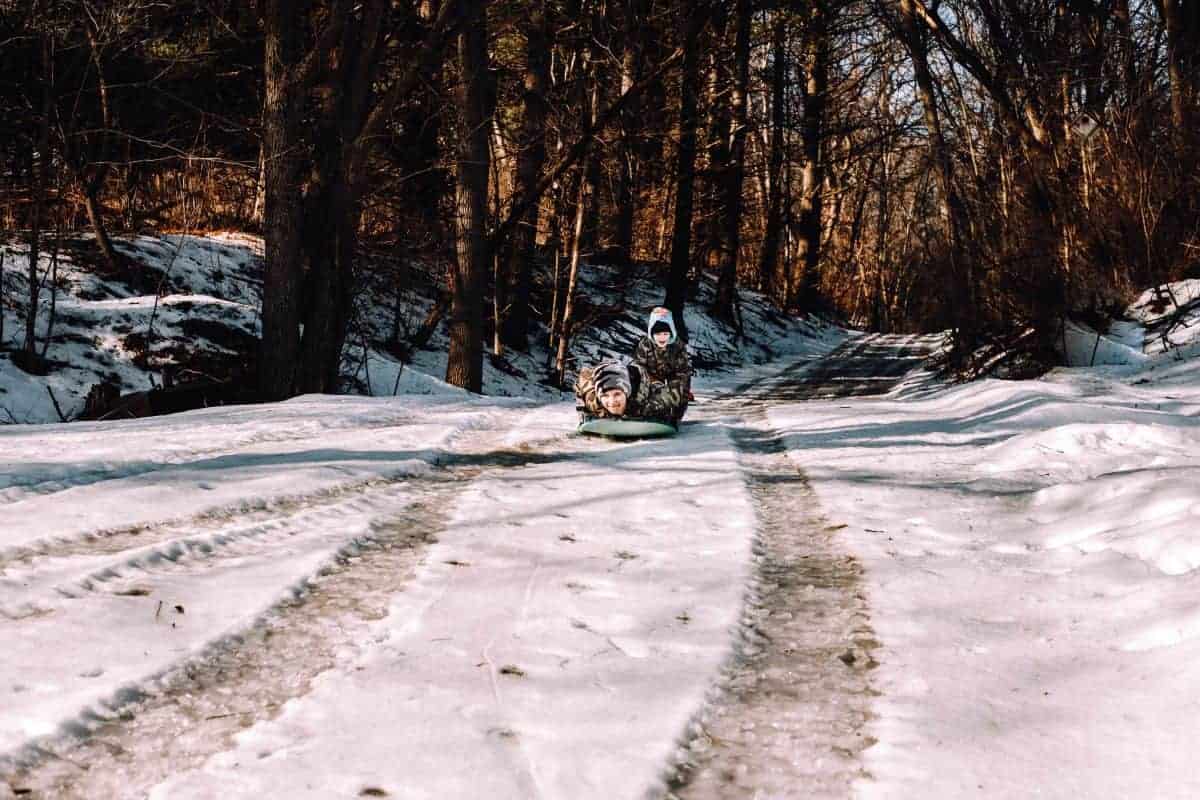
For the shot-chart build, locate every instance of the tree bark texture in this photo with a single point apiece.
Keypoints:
(517, 273)
(632, 55)
(962, 301)
(39, 200)
(283, 209)
(768, 265)
(734, 177)
(464, 365)
(812, 176)
(685, 170)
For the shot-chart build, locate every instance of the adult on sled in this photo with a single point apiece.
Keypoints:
(615, 391)
(664, 357)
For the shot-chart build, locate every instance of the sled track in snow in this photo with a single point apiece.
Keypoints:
(794, 700)
(192, 710)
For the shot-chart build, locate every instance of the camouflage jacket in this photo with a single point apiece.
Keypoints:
(649, 399)
(669, 365)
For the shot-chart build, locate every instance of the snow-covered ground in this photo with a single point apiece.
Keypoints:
(1031, 552)
(1028, 552)
(555, 640)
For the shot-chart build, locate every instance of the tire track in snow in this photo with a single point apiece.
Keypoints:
(794, 701)
(17, 487)
(180, 717)
(145, 556)
(118, 539)
(112, 541)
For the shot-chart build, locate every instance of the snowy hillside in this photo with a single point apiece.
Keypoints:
(194, 309)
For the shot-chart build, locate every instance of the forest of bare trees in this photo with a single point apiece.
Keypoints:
(987, 166)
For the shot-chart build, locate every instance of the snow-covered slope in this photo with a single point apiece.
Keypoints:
(193, 305)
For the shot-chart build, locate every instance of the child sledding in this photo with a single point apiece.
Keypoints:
(645, 397)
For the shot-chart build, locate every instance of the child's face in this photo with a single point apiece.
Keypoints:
(662, 338)
(614, 401)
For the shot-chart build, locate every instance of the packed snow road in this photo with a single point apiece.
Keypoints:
(431, 598)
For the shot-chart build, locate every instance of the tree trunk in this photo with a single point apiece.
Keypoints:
(464, 364)
(768, 264)
(1181, 18)
(283, 209)
(587, 187)
(714, 169)
(53, 311)
(3, 294)
(93, 185)
(568, 314)
(812, 177)
(962, 301)
(330, 242)
(685, 171)
(515, 286)
(91, 203)
(41, 181)
(632, 53)
(735, 172)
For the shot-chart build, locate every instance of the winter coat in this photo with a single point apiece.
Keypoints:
(647, 399)
(669, 364)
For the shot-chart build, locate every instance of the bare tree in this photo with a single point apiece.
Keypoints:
(734, 177)
(694, 21)
(769, 254)
(464, 365)
(513, 290)
(317, 173)
(802, 290)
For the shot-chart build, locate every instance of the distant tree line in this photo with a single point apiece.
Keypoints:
(988, 166)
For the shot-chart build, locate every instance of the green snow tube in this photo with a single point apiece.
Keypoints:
(625, 428)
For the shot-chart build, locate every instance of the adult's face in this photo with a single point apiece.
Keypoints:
(614, 401)
(662, 338)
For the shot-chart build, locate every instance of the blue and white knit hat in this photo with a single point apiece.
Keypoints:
(662, 316)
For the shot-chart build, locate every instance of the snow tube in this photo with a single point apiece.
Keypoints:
(625, 428)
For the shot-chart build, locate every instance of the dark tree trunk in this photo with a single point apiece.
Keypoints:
(517, 275)
(723, 306)
(587, 188)
(720, 123)
(685, 171)
(809, 224)
(283, 209)
(421, 128)
(332, 206)
(962, 280)
(1181, 19)
(768, 265)
(93, 184)
(314, 233)
(566, 325)
(91, 203)
(632, 53)
(40, 172)
(464, 365)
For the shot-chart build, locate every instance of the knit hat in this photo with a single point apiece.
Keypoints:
(662, 319)
(611, 375)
